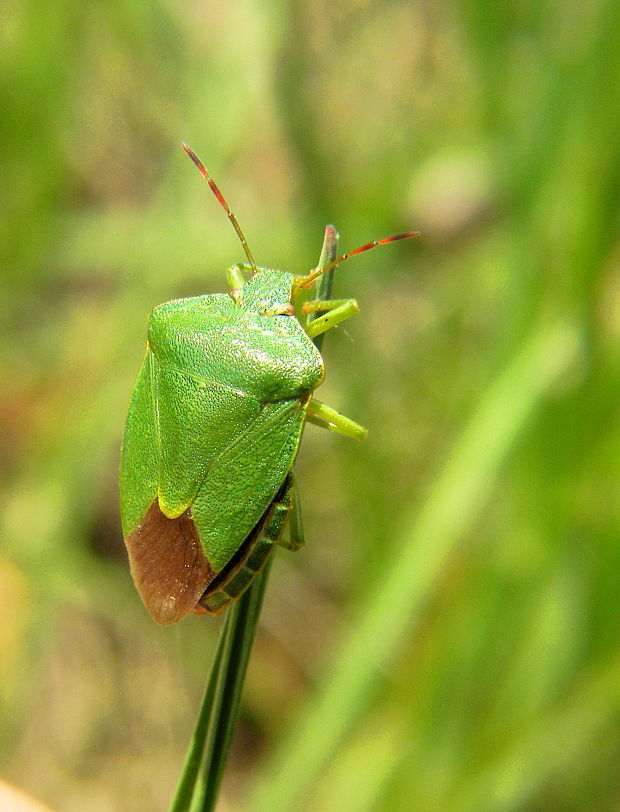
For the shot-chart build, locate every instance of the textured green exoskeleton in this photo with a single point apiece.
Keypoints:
(214, 426)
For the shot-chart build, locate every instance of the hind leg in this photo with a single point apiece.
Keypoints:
(233, 581)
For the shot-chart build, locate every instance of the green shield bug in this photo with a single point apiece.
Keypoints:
(213, 428)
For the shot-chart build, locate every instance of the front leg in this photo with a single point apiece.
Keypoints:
(236, 280)
(334, 311)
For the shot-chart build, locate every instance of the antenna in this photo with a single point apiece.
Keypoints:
(307, 281)
(222, 202)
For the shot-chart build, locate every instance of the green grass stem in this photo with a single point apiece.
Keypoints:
(205, 761)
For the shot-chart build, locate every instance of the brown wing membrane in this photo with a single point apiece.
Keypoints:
(167, 564)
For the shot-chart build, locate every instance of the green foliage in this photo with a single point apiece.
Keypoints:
(448, 639)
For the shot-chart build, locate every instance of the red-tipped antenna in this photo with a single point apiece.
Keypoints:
(222, 202)
(307, 281)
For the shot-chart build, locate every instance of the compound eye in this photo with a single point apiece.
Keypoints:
(280, 310)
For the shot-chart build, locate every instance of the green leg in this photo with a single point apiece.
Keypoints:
(295, 539)
(334, 311)
(236, 279)
(231, 583)
(323, 415)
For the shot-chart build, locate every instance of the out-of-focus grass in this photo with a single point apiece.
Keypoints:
(493, 128)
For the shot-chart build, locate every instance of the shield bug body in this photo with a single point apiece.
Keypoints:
(214, 426)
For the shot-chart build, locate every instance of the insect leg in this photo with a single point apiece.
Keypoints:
(323, 415)
(235, 278)
(236, 578)
(295, 539)
(333, 312)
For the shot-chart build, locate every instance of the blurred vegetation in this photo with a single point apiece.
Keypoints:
(448, 639)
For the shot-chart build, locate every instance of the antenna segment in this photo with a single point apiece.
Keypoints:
(222, 202)
(307, 281)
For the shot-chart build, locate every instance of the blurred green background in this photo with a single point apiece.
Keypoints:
(448, 639)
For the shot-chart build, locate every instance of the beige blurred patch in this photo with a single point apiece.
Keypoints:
(609, 298)
(450, 192)
(14, 800)
(15, 611)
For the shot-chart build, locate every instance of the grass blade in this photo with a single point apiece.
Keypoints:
(200, 780)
